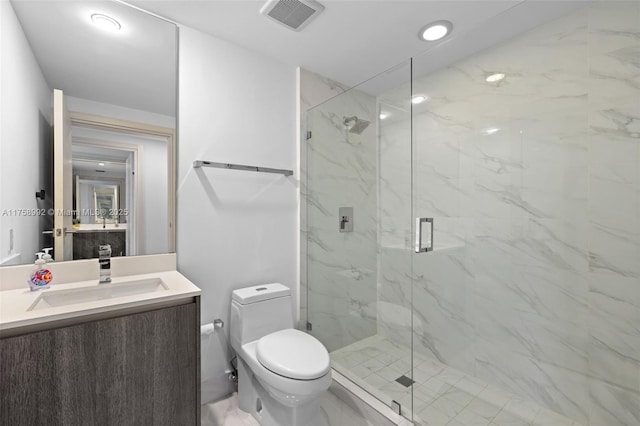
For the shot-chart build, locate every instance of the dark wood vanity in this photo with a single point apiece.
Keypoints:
(139, 366)
(87, 243)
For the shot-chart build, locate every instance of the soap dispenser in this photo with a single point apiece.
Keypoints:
(41, 276)
(47, 256)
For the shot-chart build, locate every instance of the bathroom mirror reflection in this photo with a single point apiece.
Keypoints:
(104, 209)
(119, 88)
(105, 202)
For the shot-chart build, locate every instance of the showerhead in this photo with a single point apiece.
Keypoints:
(356, 125)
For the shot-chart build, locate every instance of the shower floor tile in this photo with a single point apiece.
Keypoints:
(441, 395)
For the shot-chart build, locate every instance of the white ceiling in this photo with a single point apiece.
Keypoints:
(350, 41)
(87, 159)
(135, 67)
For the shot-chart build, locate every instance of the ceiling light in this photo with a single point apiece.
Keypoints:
(418, 99)
(105, 22)
(435, 30)
(490, 130)
(383, 115)
(100, 164)
(494, 78)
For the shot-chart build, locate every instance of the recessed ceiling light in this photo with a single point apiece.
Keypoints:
(493, 78)
(490, 130)
(435, 30)
(105, 22)
(383, 115)
(100, 164)
(418, 99)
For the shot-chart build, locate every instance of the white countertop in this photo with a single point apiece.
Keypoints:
(15, 303)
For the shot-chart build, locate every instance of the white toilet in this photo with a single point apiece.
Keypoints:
(282, 372)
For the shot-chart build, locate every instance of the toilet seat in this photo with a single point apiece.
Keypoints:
(293, 354)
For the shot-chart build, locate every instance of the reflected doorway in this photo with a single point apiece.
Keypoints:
(104, 197)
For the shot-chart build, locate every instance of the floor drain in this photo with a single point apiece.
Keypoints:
(405, 381)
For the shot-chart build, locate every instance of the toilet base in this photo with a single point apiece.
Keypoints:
(253, 398)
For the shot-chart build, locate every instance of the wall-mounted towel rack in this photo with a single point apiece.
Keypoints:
(200, 163)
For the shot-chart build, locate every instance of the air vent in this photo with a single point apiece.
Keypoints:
(293, 14)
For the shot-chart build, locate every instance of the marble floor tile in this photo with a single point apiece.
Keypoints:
(441, 395)
(334, 412)
(226, 413)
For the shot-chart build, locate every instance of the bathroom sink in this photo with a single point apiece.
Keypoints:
(56, 298)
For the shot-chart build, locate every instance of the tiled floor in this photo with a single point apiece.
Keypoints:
(334, 412)
(442, 395)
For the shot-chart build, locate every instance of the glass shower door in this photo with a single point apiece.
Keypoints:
(442, 289)
(358, 234)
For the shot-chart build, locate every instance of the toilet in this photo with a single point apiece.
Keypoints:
(282, 372)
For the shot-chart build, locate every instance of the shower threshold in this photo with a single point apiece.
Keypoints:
(441, 395)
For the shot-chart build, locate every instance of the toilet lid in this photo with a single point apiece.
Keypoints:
(292, 353)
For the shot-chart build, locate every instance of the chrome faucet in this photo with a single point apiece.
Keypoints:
(104, 260)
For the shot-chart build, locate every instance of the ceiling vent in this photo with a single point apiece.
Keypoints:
(293, 14)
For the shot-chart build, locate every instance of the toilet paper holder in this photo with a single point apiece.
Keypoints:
(209, 328)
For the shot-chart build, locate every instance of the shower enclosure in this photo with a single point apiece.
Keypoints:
(473, 231)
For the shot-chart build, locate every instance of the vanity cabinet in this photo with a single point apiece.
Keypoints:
(137, 369)
(87, 243)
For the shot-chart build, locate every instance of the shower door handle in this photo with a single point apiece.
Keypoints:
(419, 223)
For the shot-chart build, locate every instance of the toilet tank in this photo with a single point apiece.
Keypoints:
(259, 310)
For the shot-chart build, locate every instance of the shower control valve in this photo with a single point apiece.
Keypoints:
(345, 219)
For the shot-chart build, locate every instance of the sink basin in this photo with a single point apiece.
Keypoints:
(56, 298)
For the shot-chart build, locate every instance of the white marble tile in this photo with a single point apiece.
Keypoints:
(484, 409)
(314, 89)
(612, 405)
(470, 418)
(562, 390)
(226, 413)
(459, 395)
(614, 331)
(537, 291)
(506, 418)
(432, 416)
(532, 336)
(550, 418)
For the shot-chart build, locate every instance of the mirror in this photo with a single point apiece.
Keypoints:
(120, 90)
(105, 201)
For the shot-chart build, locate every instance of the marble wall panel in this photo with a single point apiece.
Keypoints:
(614, 212)
(313, 89)
(559, 389)
(341, 266)
(536, 180)
(534, 185)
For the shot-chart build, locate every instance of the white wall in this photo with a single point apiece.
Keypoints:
(234, 229)
(25, 105)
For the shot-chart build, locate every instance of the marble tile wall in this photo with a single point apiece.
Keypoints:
(534, 185)
(314, 89)
(613, 219)
(341, 172)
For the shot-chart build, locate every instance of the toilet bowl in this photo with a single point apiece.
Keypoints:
(282, 372)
